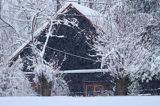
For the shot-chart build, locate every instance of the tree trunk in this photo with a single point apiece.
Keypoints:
(121, 86)
(44, 86)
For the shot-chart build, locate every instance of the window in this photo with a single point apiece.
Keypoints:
(99, 89)
(93, 89)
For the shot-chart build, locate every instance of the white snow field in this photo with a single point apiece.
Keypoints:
(81, 101)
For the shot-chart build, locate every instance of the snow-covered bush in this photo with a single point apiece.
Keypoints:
(13, 81)
(60, 87)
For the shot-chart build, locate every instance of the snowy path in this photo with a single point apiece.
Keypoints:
(81, 101)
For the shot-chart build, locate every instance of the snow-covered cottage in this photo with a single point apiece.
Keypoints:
(68, 40)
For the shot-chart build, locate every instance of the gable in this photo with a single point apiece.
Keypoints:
(78, 33)
(74, 43)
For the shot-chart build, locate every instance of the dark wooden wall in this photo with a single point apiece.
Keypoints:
(76, 81)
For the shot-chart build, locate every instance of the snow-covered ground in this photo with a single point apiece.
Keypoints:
(81, 101)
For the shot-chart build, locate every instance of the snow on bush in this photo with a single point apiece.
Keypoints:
(13, 81)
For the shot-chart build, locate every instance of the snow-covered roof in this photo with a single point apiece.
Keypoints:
(95, 17)
(18, 50)
(27, 42)
(76, 71)
(82, 71)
